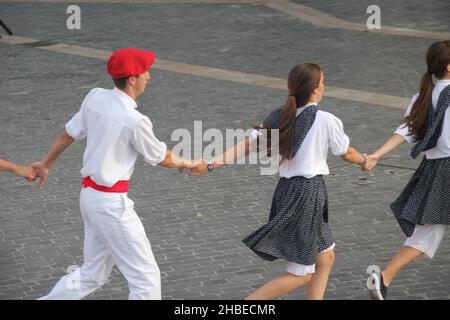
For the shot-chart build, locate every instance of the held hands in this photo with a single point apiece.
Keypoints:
(371, 162)
(27, 172)
(42, 172)
(196, 167)
(200, 169)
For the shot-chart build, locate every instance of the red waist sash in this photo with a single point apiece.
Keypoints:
(120, 186)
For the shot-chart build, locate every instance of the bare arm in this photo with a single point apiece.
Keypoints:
(7, 165)
(394, 142)
(239, 150)
(42, 167)
(19, 170)
(174, 162)
(353, 156)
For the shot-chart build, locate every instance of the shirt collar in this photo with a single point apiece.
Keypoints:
(442, 81)
(305, 106)
(125, 98)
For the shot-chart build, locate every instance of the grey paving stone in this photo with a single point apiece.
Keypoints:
(430, 15)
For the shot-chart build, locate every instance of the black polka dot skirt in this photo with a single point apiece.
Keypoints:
(297, 230)
(426, 197)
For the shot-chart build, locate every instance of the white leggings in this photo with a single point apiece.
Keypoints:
(426, 238)
(302, 269)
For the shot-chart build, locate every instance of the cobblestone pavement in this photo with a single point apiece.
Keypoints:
(196, 224)
(429, 15)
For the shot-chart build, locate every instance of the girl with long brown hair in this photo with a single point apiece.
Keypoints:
(423, 208)
(298, 230)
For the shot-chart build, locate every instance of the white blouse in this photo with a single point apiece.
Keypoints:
(326, 133)
(442, 149)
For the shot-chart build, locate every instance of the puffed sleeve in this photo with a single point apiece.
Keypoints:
(145, 142)
(403, 129)
(338, 140)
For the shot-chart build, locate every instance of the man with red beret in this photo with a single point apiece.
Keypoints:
(116, 133)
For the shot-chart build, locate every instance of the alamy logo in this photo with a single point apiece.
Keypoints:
(74, 279)
(374, 20)
(191, 147)
(373, 282)
(73, 21)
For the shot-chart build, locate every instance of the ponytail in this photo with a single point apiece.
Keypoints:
(303, 79)
(417, 120)
(438, 58)
(287, 128)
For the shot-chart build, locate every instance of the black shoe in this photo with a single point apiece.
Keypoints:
(378, 290)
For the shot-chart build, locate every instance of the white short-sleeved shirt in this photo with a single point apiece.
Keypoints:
(442, 149)
(116, 133)
(326, 133)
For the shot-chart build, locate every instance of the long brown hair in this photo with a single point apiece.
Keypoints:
(303, 79)
(437, 57)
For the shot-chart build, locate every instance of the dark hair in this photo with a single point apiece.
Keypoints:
(121, 83)
(303, 79)
(438, 58)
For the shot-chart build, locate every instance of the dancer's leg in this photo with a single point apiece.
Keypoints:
(319, 280)
(401, 259)
(279, 287)
(425, 240)
(130, 248)
(94, 272)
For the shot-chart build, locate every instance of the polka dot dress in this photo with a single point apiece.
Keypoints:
(426, 197)
(297, 230)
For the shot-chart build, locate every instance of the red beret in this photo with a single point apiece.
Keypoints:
(129, 62)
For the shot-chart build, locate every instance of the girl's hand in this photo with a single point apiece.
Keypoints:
(372, 161)
(42, 172)
(25, 171)
(190, 164)
(200, 169)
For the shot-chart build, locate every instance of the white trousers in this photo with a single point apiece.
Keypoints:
(114, 234)
(427, 238)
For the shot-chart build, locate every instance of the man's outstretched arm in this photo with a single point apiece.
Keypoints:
(174, 162)
(42, 167)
